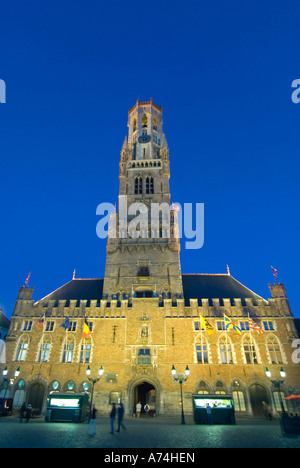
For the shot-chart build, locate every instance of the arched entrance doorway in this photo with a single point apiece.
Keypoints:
(36, 397)
(145, 392)
(258, 394)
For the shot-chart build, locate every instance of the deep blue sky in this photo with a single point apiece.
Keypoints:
(222, 70)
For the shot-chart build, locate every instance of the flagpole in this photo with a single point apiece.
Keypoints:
(251, 339)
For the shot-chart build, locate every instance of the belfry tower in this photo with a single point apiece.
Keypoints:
(143, 249)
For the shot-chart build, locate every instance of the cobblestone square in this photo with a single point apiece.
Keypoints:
(166, 433)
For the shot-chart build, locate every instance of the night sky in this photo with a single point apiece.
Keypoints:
(221, 70)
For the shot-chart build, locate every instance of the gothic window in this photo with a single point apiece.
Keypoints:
(86, 348)
(149, 185)
(134, 125)
(144, 121)
(202, 352)
(154, 124)
(69, 347)
(22, 348)
(239, 400)
(274, 350)
(203, 388)
(249, 350)
(138, 185)
(225, 350)
(45, 348)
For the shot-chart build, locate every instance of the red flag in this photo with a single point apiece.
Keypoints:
(255, 326)
(274, 272)
(41, 320)
(27, 279)
(175, 207)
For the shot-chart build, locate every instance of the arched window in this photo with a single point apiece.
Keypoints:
(154, 124)
(69, 348)
(202, 351)
(138, 185)
(250, 350)
(134, 125)
(225, 348)
(86, 348)
(144, 121)
(274, 350)
(239, 400)
(149, 185)
(22, 348)
(45, 348)
(203, 388)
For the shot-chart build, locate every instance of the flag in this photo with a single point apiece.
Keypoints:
(27, 279)
(41, 320)
(86, 330)
(206, 326)
(255, 326)
(175, 207)
(66, 323)
(274, 272)
(230, 324)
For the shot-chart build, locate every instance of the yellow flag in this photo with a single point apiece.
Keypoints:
(206, 326)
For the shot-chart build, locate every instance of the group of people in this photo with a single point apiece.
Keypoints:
(116, 412)
(119, 412)
(139, 409)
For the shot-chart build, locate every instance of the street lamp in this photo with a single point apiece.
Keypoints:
(277, 383)
(180, 378)
(8, 381)
(93, 381)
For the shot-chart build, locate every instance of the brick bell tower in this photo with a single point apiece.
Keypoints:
(143, 248)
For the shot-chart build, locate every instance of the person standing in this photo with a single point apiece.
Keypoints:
(22, 411)
(92, 422)
(120, 417)
(112, 418)
(28, 412)
(138, 409)
(146, 408)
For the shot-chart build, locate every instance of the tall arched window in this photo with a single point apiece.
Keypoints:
(202, 350)
(274, 350)
(22, 348)
(250, 350)
(138, 186)
(86, 349)
(149, 185)
(144, 121)
(69, 348)
(225, 348)
(45, 348)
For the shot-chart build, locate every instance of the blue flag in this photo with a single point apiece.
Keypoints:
(66, 323)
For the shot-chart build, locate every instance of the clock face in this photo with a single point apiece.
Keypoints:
(144, 138)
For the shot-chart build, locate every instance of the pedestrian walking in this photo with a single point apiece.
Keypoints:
(138, 409)
(92, 422)
(28, 412)
(146, 408)
(22, 412)
(112, 418)
(120, 417)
